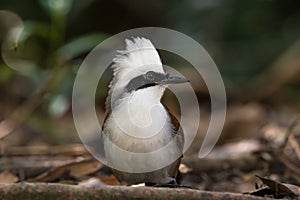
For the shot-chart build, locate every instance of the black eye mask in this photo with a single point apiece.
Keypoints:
(152, 78)
(149, 79)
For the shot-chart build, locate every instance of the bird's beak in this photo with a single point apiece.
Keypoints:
(169, 79)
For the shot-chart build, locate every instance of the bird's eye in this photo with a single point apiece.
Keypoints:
(150, 75)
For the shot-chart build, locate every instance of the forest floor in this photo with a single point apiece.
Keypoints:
(264, 161)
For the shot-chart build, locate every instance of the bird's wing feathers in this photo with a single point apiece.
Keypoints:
(178, 133)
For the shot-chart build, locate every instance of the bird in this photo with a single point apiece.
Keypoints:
(143, 140)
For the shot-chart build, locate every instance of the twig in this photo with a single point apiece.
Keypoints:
(285, 161)
(289, 132)
(295, 146)
(65, 150)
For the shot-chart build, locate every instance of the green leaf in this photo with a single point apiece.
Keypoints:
(82, 45)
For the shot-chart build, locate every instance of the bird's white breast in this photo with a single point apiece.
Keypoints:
(138, 124)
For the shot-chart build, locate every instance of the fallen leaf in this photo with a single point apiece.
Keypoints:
(109, 180)
(84, 168)
(278, 190)
(76, 169)
(7, 177)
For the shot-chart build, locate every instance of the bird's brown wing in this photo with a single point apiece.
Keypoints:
(176, 125)
(178, 133)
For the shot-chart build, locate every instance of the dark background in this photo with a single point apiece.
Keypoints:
(254, 44)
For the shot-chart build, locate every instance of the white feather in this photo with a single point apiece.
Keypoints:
(139, 52)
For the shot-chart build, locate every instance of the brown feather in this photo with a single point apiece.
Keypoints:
(177, 130)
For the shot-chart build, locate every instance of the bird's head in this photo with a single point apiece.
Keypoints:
(138, 70)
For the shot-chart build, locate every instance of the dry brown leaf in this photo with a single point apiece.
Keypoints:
(75, 169)
(7, 177)
(84, 168)
(277, 189)
(110, 180)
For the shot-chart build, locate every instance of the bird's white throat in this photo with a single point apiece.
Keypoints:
(140, 114)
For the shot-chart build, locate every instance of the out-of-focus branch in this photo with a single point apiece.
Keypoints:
(289, 131)
(60, 191)
(23, 111)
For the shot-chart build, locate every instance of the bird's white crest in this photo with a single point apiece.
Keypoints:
(139, 53)
(138, 57)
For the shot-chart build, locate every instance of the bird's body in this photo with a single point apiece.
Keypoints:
(143, 141)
